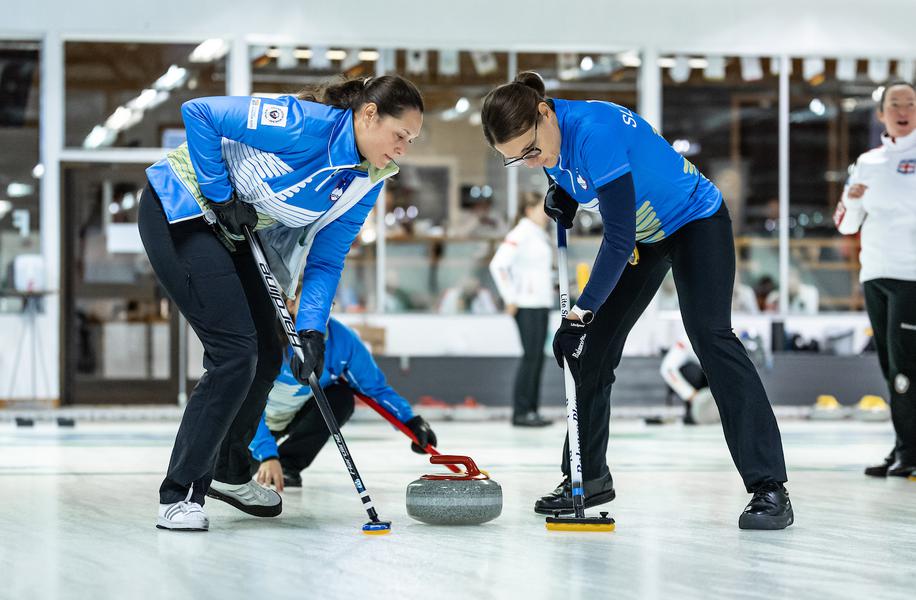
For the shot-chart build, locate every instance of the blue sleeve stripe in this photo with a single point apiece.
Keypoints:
(624, 168)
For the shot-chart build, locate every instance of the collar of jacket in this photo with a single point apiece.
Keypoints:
(343, 153)
(900, 144)
(561, 110)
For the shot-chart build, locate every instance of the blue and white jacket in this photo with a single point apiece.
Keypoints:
(298, 164)
(346, 357)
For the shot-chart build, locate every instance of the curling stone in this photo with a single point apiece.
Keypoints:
(827, 408)
(468, 498)
(872, 408)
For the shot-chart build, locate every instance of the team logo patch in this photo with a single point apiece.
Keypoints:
(901, 383)
(907, 166)
(274, 115)
(581, 181)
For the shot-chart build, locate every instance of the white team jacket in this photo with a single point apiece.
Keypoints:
(886, 213)
(522, 267)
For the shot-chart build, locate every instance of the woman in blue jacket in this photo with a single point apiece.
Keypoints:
(604, 157)
(302, 171)
(292, 431)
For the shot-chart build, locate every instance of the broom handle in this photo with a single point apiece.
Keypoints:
(572, 414)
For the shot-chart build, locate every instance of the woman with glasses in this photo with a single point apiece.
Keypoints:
(606, 158)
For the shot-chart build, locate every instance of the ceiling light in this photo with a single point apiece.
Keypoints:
(817, 106)
(172, 78)
(99, 136)
(209, 51)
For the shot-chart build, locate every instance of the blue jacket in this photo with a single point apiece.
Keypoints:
(602, 141)
(298, 164)
(346, 357)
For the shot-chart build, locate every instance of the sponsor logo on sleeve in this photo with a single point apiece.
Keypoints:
(274, 115)
(581, 181)
(253, 109)
(839, 213)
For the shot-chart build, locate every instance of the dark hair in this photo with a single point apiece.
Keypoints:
(512, 109)
(392, 94)
(888, 86)
(528, 200)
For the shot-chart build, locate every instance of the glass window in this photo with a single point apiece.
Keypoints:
(20, 173)
(722, 114)
(832, 122)
(120, 321)
(129, 94)
(448, 207)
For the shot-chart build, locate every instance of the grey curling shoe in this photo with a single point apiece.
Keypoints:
(251, 498)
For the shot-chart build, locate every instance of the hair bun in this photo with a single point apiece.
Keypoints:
(532, 80)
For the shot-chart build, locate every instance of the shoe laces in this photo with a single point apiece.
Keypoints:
(188, 507)
(762, 493)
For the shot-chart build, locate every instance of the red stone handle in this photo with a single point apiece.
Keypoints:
(470, 467)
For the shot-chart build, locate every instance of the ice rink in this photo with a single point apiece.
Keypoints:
(79, 509)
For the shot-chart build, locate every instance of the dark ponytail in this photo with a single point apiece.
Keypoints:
(392, 94)
(512, 109)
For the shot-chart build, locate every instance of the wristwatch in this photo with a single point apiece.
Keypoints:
(586, 316)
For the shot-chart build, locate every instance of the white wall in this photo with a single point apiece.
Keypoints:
(838, 27)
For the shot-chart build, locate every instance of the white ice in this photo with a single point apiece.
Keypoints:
(78, 511)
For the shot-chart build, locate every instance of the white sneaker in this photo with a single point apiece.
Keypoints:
(183, 516)
(250, 497)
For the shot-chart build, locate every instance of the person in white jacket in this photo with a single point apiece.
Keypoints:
(879, 201)
(523, 271)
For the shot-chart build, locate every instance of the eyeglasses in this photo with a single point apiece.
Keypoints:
(532, 151)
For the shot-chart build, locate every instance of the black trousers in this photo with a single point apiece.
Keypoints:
(891, 305)
(222, 296)
(702, 257)
(307, 433)
(532, 328)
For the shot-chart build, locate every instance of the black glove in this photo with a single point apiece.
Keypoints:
(569, 342)
(560, 206)
(312, 343)
(424, 433)
(233, 214)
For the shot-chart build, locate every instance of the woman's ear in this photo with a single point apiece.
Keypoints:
(544, 109)
(369, 111)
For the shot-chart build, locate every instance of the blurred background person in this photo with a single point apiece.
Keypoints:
(522, 269)
(879, 201)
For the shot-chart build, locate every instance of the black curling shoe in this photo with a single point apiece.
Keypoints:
(901, 469)
(770, 508)
(597, 491)
(292, 479)
(531, 419)
(880, 470)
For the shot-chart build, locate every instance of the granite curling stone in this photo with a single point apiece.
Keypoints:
(468, 498)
